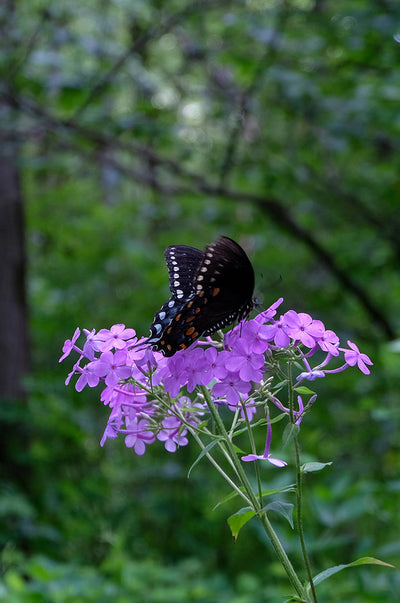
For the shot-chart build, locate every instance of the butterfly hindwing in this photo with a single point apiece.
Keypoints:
(183, 263)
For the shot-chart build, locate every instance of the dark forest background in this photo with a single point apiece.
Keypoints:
(130, 125)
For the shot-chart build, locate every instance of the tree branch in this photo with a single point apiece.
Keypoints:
(151, 34)
(274, 208)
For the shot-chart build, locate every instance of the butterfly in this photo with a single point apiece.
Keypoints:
(210, 290)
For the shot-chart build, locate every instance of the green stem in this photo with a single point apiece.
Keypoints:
(280, 551)
(299, 505)
(299, 492)
(253, 449)
(219, 468)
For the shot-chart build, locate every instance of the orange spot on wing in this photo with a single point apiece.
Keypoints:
(190, 331)
(216, 290)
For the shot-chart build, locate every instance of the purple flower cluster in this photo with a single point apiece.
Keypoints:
(152, 397)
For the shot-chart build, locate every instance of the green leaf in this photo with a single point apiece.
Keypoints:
(279, 417)
(283, 508)
(289, 433)
(238, 450)
(227, 498)
(314, 466)
(241, 430)
(238, 520)
(281, 385)
(260, 422)
(289, 488)
(232, 495)
(302, 389)
(331, 571)
(205, 451)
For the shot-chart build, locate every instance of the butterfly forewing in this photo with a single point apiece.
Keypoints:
(226, 277)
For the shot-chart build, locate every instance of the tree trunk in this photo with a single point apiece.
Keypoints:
(14, 352)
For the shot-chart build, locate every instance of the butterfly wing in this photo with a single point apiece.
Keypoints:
(183, 263)
(226, 278)
(222, 293)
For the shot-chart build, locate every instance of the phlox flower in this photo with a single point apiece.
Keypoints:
(268, 314)
(172, 433)
(277, 332)
(138, 434)
(301, 327)
(145, 359)
(266, 455)
(87, 377)
(256, 336)
(111, 366)
(231, 387)
(92, 344)
(299, 414)
(69, 345)
(353, 356)
(113, 426)
(76, 368)
(254, 331)
(171, 373)
(215, 360)
(310, 375)
(243, 361)
(109, 396)
(196, 366)
(328, 341)
(147, 392)
(129, 395)
(115, 337)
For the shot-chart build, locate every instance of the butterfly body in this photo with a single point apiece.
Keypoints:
(210, 290)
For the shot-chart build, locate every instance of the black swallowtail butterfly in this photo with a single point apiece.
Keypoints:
(210, 290)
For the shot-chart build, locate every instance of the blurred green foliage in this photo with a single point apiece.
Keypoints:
(147, 123)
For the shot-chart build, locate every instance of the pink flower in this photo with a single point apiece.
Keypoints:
(302, 327)
(354, 356)
(139, 434)
(172, 434)
(265, 456)
(243, 361)
(231, 387)
(112, 367)
(69, 345)
(115, 337)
